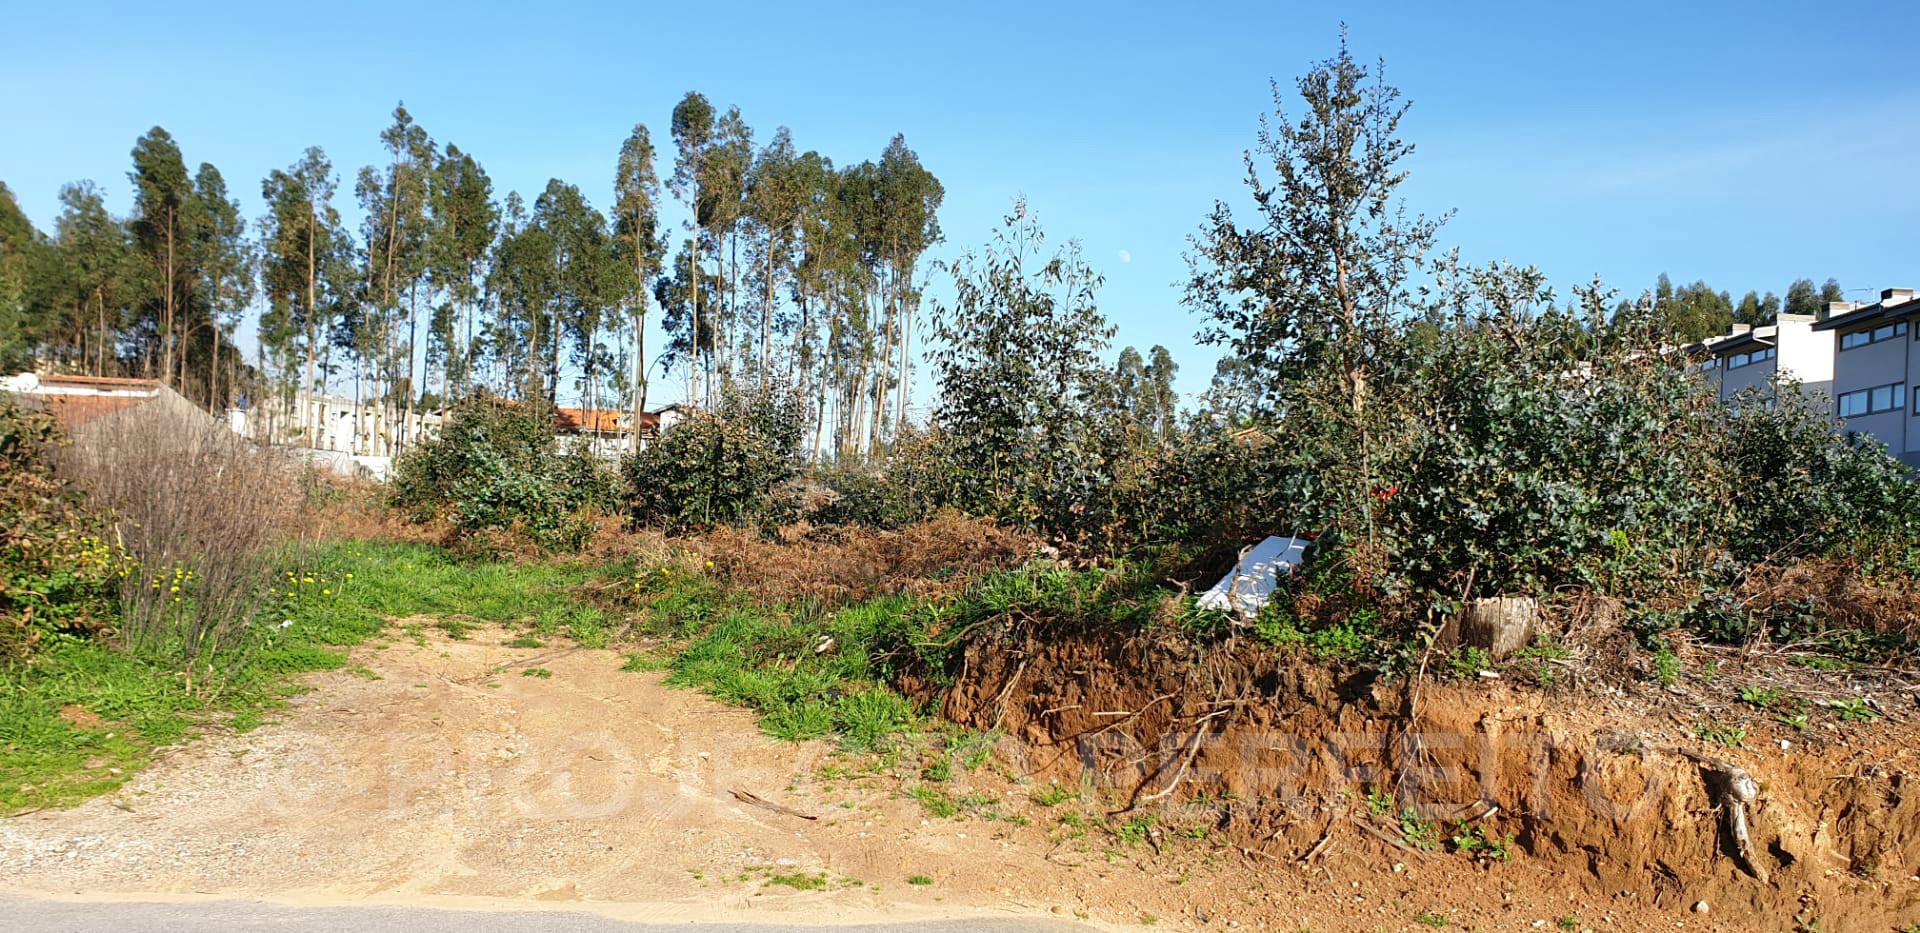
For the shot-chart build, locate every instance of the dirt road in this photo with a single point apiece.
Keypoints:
(239, 916)
(468, 769)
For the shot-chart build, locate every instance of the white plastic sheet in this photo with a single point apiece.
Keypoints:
(1252, 581)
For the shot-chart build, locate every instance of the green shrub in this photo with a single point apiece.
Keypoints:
(1798, 487)
(711, 471)
(58, 573)
(495, 466)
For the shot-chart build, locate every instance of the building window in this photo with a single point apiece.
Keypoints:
(1872, 401)
(1747, 359)
(1861, 338)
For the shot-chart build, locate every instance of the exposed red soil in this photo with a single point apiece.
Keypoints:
(1595, 787)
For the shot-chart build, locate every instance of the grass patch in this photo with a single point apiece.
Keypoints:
(81, 717)
(935, 801)
(808, 674)
(800, 881)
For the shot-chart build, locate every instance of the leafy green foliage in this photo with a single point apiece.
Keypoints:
(58, 573)
(1800, 488)
(1019, 380)
(716, 470)
(495, 466)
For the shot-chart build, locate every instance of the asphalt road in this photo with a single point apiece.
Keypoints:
(40, 916)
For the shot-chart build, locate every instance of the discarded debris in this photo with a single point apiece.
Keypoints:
(1251, 583)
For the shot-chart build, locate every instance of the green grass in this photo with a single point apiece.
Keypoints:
(121, 706)
(935, 801)
(919, 880)
(800, 881)
(1053, 795)
(809, 675)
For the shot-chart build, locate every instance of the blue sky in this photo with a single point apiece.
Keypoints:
(1747, 144)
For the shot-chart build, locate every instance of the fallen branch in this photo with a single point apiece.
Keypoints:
(751, 798)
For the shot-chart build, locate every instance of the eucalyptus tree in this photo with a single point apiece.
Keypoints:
(395, 231)
(100, 272)
(1018, 370)
(637, 236)
(910, 198)
(463, 222)
(679, 294)
(522, 279)
(1310, 294)
(693, 138)
(828, 251)
(300, 236)
(24, 260)
(588, 279)
(1757, 311)
(723, 211)
(1164, 402)
(224, 264)
(163, 214)
(779, 191)
(1802, 298)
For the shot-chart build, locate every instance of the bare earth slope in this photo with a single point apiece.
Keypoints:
(441, 771)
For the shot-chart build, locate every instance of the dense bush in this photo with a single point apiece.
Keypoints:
(495, 466)
(58, 575)
(716, 470)
(1797, 487)
(909, 483)
(1523, 451)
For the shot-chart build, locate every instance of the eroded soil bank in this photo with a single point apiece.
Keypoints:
(1311, 773)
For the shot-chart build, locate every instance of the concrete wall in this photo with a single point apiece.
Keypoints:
(1805, 354)
(1756, 376)
(1875, 364)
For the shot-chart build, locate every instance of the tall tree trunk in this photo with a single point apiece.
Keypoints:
(693, 339)
(766, 316)
(307, 414)
(166, 332)
(413, 387)
(100, 349)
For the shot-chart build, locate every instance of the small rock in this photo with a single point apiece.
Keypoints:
(1700, 907)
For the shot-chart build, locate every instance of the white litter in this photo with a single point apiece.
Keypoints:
(1252, 581)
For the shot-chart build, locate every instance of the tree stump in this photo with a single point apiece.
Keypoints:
(1500, 625)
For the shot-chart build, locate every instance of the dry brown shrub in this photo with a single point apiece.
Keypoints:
(1840, 593)
(839, 566)
(339, 508)
(202, 512)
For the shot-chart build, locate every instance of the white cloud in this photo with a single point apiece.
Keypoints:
(1125, 256)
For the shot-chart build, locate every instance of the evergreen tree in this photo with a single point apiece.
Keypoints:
(642, 247)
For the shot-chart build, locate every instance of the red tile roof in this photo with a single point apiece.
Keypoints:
(598, 420)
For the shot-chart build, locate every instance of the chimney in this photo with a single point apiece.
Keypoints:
(1895, 296)
(1836, 307)
(1739, 329)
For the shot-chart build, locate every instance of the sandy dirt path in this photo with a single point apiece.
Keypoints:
(442, 771)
